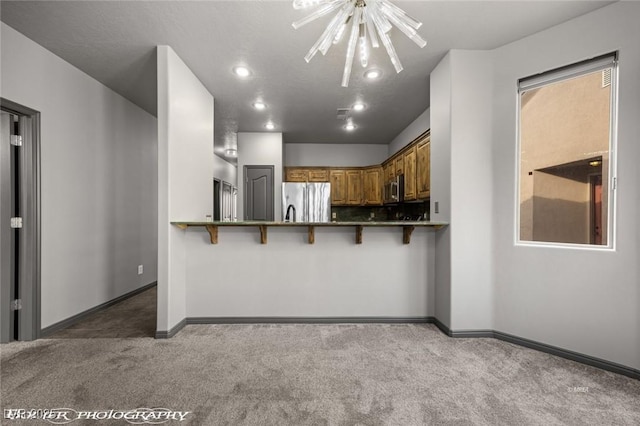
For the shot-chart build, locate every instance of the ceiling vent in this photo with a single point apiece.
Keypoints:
(343, 113)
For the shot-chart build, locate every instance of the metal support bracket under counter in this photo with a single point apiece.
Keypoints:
(407, 228)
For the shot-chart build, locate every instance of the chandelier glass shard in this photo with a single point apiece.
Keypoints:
(367, 23)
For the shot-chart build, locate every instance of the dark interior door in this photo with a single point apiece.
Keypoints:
(258, 193)
(8, 240)
(19, 223)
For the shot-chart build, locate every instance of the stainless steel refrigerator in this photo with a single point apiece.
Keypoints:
(306, 202)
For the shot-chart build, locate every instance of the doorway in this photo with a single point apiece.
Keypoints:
(217, 200)
(258, 193)
(19, 222)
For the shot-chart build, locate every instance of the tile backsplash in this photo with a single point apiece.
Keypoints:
(381, 213)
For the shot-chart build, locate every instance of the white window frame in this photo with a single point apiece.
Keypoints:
(602, 62)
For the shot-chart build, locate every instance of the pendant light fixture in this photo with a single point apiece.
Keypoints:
(368, 23)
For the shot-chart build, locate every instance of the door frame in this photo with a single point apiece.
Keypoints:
(246, 193)
(29, 267)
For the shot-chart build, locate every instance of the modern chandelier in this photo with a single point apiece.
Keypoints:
(370, 22)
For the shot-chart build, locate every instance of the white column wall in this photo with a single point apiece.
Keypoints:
(461, 185)
(471, 190)
(440, 121)
(185, 175)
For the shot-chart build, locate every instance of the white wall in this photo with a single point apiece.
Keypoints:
(259, 149)
(582, 300)
(239, 277)
(440, 121)
(417, 127)
(587, 301)
(98, 165)
(471, 191)
(185, 175)
(334, 155)
(225, 171)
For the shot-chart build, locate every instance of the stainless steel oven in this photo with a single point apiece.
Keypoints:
(394, 190)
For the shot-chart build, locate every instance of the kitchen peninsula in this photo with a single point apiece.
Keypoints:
(308, 272)
(389, 277)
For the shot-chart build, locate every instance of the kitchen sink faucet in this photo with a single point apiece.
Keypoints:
(287, 217)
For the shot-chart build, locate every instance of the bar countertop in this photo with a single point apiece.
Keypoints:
(407, 227)
(437, 225)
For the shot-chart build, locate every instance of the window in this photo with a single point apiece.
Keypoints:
(566, 128)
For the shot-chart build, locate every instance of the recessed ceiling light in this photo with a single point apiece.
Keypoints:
(242, 71)
(270, 126)
(231, 152)
(349, 127)
(372, 74)
(358, 106)
(259, 105)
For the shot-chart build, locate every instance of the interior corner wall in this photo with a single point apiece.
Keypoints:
(334, 155)
(417, 127)
(185, 175)
(440, 122)
(260, 149)
(583, 300)
(471, 190)
(225, 171)
(98, 180)
(461, 186)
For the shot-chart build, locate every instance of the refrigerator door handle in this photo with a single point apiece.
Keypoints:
(305, 204)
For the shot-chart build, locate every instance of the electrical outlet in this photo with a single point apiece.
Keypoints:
(436, 206)
(140, 269)
(333, 215)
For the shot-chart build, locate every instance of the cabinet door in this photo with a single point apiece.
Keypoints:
(423, 167)
(372, 192)
(354, 187)
(399, 165)
(410, 174)
(295, 174)
(338, 181)
(390, 174)
(318, 175)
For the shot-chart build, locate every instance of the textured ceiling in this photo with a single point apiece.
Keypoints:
(114, 41)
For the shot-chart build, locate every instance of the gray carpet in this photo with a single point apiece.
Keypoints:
(315, 375)
(132, 317)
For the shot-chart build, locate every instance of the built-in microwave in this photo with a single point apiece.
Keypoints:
(394, 190)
